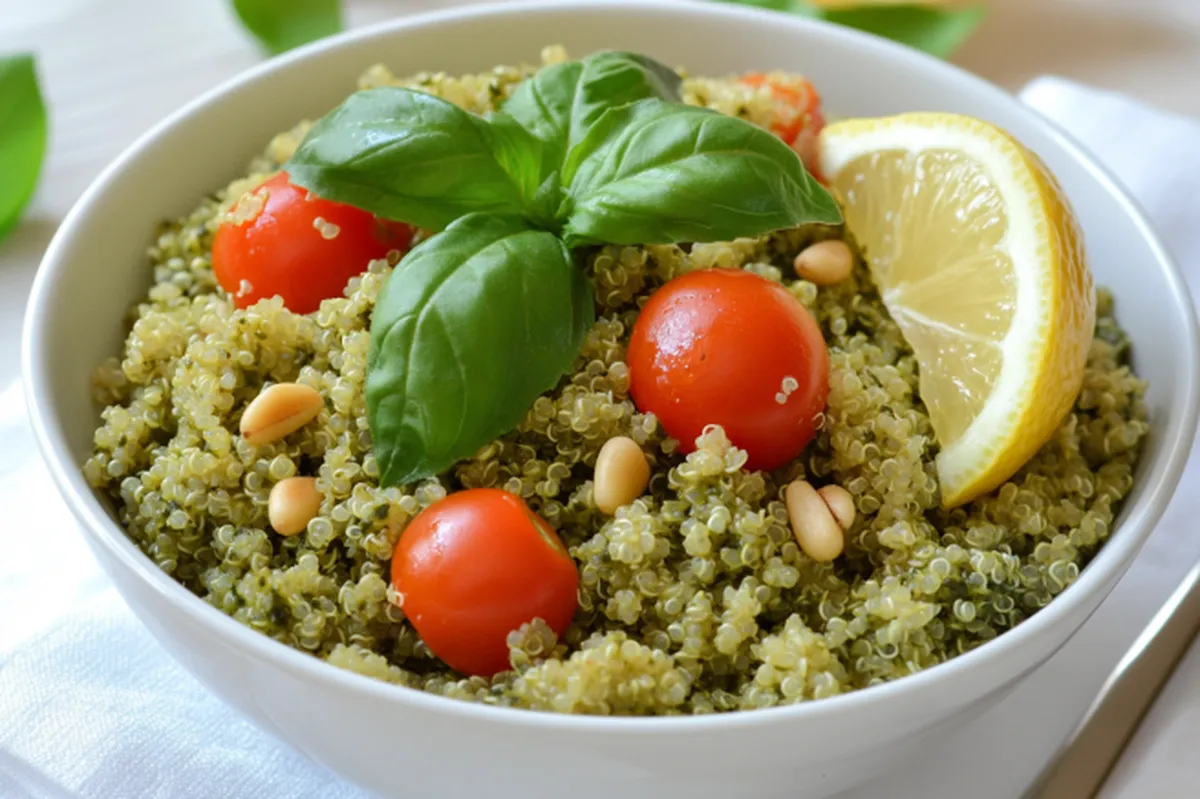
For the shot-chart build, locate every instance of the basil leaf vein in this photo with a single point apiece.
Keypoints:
(410, 157)
(280, 25)
(473, 325)
(659, 173)
(23, 135)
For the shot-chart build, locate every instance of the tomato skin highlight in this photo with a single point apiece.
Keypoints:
(472, 568)
(724, 346)
(299, 247)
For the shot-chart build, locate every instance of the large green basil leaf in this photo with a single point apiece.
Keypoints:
(23, 133)
(559, 103)
(658, 173)
(472, 326)
(408, 156)
(280, 25)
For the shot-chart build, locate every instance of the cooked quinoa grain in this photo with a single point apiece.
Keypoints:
(694, 597)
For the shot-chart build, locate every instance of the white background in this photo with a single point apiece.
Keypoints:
(111, 68)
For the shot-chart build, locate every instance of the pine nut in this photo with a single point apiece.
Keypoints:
(622, 474)
(840, 503)
(825, 263)
(293, 504)
(279, 410)
(816, 530)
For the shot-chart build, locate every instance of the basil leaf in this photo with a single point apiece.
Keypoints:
(614, 78)
(23, 133)
(937, 31)
(770, 5)
(559, 103)
(473, 325)
(407, 156)
(542, 105)
(524, 158)
(659, 173)
(281, 25)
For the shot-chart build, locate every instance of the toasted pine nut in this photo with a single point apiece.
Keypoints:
(293, 503)
(279, 410)
(622, 474)
(840, 503)
(825, 263)
(816, 531)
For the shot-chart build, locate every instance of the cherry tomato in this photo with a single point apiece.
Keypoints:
(298, 246)
(799, 119)
(725, 346)
(477, 565)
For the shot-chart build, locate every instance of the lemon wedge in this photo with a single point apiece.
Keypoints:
(979, 259)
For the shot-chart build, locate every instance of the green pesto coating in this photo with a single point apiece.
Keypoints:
(694, 598)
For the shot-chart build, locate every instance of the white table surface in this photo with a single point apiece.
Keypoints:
(112, 68)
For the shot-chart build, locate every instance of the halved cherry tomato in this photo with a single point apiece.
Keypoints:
(725, 346)
(298, 246)
(475, 566)
(799, 119)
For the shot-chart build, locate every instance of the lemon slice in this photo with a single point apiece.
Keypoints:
(979, 259)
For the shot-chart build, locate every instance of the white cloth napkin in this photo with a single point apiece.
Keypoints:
(92, 708)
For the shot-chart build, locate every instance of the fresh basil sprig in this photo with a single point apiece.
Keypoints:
(487, 314)
(23, 134)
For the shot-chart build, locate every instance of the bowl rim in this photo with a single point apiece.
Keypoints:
(103, 531)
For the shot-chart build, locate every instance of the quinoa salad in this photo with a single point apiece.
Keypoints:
(285, 440)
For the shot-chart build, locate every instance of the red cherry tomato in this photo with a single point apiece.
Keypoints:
(727, 347)
(477, 565)
(799, 119)
(298, 246)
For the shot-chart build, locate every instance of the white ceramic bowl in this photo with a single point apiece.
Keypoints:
(385, 737)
